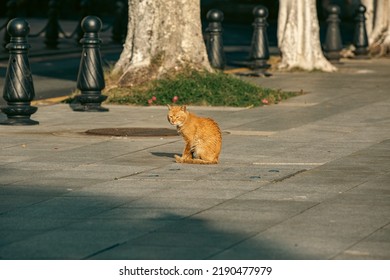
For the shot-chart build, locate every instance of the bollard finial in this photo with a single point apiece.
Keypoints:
(334, 9)
(260, 12)
(215, 15)
(91, 24)
(361, 9)
(18, 27)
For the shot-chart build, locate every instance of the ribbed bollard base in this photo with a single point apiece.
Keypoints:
(19, 121)
(19, 115)
(90, 103)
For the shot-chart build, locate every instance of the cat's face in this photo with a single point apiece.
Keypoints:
(177, 115)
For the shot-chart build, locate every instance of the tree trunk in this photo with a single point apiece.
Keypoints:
(379, 34)
(164, 36)
(298, 36)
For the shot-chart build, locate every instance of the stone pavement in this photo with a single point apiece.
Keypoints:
(308, 178)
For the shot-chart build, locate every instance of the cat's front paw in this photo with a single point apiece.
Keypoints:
(178, 159)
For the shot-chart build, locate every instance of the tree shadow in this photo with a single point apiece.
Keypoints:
(51, 222)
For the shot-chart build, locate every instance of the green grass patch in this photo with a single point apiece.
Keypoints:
(198, 88)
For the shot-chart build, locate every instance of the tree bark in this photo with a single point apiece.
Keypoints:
(298, 36)
(379, 19)
(164, 36)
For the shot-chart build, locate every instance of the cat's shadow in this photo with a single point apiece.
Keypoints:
(160, 154)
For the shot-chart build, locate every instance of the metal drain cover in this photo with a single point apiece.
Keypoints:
(133, 132)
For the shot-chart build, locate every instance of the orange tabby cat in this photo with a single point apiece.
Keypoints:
(202, 136)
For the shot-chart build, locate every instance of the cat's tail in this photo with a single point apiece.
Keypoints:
(195, 160)
(200, 161)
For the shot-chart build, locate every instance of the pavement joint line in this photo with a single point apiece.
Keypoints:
(290, 163)
(76, 221)
(288, 176)
(138, 173)
(358, 241)
(104, 250)
(234, 244)
(250, 132)
(296, 104)
(265, 229)
(250, 191)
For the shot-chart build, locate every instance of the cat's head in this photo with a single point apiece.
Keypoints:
(177, 115)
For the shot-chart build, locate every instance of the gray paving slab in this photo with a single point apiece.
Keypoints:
(304, 179)
(374, 246)
(346, 218)
(139, 252)
(54, 244)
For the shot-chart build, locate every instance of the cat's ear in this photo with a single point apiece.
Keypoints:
(169, 107)
(183, 108)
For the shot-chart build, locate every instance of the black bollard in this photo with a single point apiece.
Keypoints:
(214, 42)
(18, 86)
(360, 39)
(333, 44)
(52, 27)
(259, 53)
(90, 80)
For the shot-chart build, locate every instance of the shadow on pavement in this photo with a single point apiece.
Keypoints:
(54, 222)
